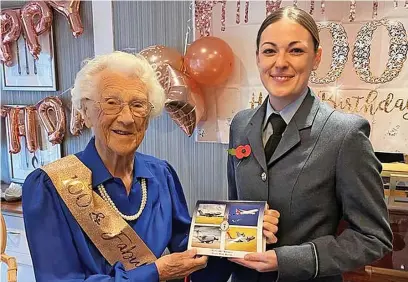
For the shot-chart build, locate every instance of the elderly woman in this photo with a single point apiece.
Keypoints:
(107, 213)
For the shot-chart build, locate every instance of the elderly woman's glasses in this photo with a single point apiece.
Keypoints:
(113, 106)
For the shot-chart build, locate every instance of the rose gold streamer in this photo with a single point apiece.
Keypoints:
(246, 11)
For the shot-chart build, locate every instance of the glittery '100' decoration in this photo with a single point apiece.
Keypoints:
(339, 55)
(397, 51)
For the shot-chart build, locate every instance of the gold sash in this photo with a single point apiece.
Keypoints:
(111, 234)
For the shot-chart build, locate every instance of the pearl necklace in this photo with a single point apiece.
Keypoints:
(108, 199)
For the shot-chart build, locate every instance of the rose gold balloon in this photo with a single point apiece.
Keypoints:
(77, 122)
(4, 111)
(10, 32)
(13, 125)
(159, 57)
(21, 126)
(70, 9)
(209, 60)
(30, 123)
(30, 12)
(185, 103)
(52, 116)
(5, 54)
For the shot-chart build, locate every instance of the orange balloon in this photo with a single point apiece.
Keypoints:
(209, 60)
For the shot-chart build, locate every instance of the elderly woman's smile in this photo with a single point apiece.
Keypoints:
(122, 132)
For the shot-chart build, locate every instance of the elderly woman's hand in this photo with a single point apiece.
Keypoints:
(179, 265)
(270, 225)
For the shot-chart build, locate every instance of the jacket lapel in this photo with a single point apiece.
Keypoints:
(302, 119)
(254, 133)
(289, 140)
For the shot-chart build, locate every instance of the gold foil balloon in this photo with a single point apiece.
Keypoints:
(52, 116)
(14, 131)
(10, 32)
(30, 123)
(70, 9)
(185, 103)
(209, 60)
(36, 17)
(77, 122)
(159, 57)
(4, 111)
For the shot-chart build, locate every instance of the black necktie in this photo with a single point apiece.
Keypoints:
(279, 126)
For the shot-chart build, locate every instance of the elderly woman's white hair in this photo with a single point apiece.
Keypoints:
(86, 81)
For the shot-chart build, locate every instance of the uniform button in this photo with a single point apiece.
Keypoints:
(263, 176)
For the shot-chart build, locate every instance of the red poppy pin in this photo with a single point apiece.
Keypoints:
(240, 152)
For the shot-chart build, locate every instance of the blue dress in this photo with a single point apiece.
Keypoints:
(61, 251)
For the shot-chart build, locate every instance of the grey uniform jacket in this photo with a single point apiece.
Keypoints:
(324, 169)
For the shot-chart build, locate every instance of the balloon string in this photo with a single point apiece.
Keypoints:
(65, 91)
(186, 40)
(190, 7)
(38, 103)
(59, 95)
